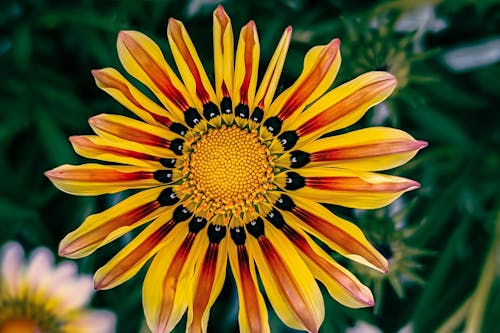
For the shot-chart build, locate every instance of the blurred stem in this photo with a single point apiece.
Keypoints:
(480, 295)
(472, 310)
(452, 323)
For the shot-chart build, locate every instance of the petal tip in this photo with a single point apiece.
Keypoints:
(422, 144)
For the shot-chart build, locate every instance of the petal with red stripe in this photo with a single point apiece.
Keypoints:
(112, 82)
(102, 228)
(340, 235)
(321, 65)
(344, 105)
(252, 315)
(189, 64)
(168, 283)
(95, 147)
(269, 82)
(348, 188)
(208, 278)
(246, 71)
(143, 59)
(368, 149)
(289, 284)
(126, 263)
(96, 179)
(340, 283)
(223, 59)
(116, 127)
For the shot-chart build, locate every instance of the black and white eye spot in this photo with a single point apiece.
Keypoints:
(273, 125)
(216, 233)
(294, 181)
(288, 139)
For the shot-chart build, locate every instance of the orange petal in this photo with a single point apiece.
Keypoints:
(209, 278)
(341, 284)
(115, 127)
(95, 147)
(143, 59)
(132, 257)
(111, 81)
(189, 63)
(246, 70)
(102, 228)
(339, 234)
(252, 315)
(345, 104)
(96, 179)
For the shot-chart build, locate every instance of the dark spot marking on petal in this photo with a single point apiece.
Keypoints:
(275, 217)
(242, 111)
(168, 162)
(168, 197)
(216, 233)
(256, 227)
(285, 202)
(192, 117)
(181, 214)
(226, 105)
(196, 224)
(288, 139)
(176, 146)
(164, 176)
(178, 128)
(238, 235)
(299, 158)
(210, 111)
(257, 115)
(273, 125)
(294, 181)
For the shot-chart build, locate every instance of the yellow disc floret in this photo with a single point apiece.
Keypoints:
(228, 168)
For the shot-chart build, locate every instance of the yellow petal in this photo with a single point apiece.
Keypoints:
(189, 64)
(267, 87)
(369, 149)
(101, 228)
(142, 58)
(340, 235)
(321, 65)
(95, 147)
(223, 58)
(112, 82)
(96, 179)
(342, 285)
(126, 263)
(344, 105)
(116, 127)
(208, 278)
(252, 315)
(246, 70)
(168, 286)
(348, 188)
(290, 286)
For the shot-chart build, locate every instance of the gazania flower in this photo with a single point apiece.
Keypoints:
(227, 171)
(38, 297)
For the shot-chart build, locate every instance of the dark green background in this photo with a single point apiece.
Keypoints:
(47, 49)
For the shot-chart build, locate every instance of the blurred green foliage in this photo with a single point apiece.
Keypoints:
(437, 238)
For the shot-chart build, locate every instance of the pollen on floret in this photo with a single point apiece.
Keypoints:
(227, 168)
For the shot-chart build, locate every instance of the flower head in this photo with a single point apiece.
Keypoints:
(38, 297)
(228, 173)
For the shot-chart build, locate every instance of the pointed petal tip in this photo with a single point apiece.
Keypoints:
(422, 144)
(99, 283)
(289, 29)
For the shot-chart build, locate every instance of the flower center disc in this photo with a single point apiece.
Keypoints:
(20, 325)
(229, 167)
